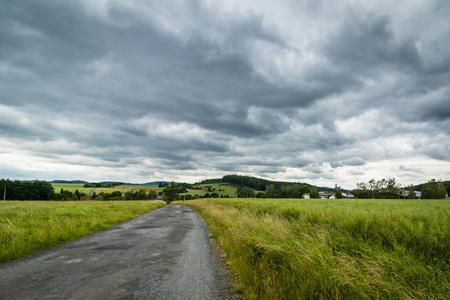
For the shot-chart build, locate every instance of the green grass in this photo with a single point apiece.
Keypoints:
(333, 249)
(27, 227)
(71, 187)
(128, 188)
(226, 189)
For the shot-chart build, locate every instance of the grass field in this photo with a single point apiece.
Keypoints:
(129, 188)
(27, 227)
(71, 187)
(222, 189)
(333, 249)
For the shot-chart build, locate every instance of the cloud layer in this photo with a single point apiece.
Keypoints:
(186, 90)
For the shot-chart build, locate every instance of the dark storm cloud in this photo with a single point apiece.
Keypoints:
(195, 87)
(367, 42)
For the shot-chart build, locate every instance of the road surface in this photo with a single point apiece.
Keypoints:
(164, 254)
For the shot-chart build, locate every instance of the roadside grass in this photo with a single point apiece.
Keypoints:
(71, 187)
(27, 227)
(333, 249)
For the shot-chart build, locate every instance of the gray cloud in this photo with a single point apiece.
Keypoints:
(193, 90)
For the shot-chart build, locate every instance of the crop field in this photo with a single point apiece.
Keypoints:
(222, 189)
(333, 249)
(27, 227)
(71, 187)
(128, 188)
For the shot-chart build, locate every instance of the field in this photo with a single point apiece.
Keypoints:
(128, 188)
(71, 187)
(27, 227)
(333, 249)
(222, 189)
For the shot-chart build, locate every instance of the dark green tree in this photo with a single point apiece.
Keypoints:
(304, 190)
(434, 190)
(141, 195)
(270, 191)
(152, 194)
(245, 192)
(170, 192)
(314, 192)
(338, 194)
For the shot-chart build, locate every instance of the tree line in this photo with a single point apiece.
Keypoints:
(26, 190)
(102, 184)
(256, 183)
(389, 189)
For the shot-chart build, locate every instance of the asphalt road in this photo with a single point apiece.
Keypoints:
(164, 254)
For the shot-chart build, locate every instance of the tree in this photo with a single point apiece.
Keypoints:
(170, 192)
(141, 195)
(338, 194)
(411, 192)
(314, 193)
(245, 192)
(304, 189)
(433, 190)
(270, 191)
(381, 189)
(152, 194)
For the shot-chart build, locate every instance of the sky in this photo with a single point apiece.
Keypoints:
(323, 92)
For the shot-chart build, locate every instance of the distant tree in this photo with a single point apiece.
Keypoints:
(152, 194)
(260, 195)
(116, 195)
(381, 189)
(245, 192)
(141, 195)
(314, 193)
(411, 192)
(304, 189)
(433, 190)
(170, 192)
(270, 191)
(338, 194)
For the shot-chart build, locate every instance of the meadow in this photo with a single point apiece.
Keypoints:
(71, 187)
(27, 227)
(129, 188)
(333, 249)
(222, 189)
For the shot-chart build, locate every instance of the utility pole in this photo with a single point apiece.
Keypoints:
(4, 193)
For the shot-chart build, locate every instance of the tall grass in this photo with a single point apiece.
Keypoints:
(334, 249)
(27, 227)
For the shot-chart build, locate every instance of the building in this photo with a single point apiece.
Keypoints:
(326, 195)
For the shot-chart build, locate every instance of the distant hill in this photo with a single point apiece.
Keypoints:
(258, 183)
(157, 182)
(153, 183)
(69, 181)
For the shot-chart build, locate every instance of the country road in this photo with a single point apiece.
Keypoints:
(164, 254)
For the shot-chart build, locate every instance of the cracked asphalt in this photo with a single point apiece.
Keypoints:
(164, 254)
